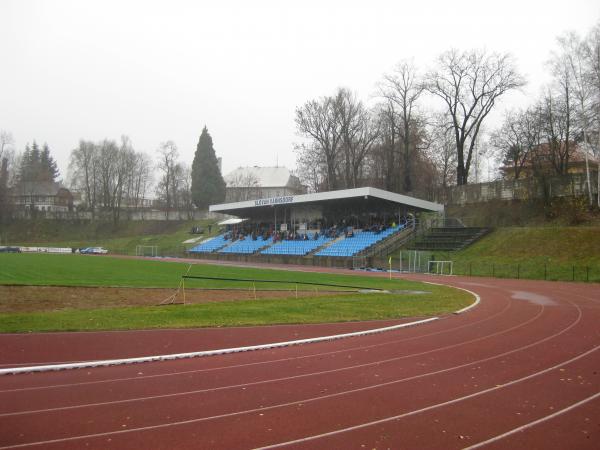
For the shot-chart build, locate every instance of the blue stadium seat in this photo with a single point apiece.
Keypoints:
(246, 246)
(353, 245)
(211, 245)
(298, 248)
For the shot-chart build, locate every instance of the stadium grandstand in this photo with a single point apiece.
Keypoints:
(333, 224)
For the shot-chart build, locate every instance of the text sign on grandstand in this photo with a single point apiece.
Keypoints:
(274, 201)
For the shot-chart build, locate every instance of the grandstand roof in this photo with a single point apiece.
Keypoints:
(346, 197)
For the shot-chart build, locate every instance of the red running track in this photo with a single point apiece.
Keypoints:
(520, 370)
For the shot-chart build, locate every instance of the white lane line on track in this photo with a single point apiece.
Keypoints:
(309, 438)
(256, 383)
(428, 408)
(535, 422)
(272, 361)
(112, 362)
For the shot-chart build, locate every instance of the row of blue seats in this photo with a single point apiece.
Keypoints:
(345, 247)
(353, 245)
(298, 248)
(211, 245)
(247, 246)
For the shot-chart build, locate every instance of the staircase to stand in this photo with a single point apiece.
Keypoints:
(447, 238)
(393, 242)
(327, 244)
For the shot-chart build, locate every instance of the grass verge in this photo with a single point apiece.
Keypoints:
(339, 308)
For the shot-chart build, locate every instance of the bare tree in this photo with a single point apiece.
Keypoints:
(517, 139)
(388, 119)
(441, 150)
(358, 133)
(139, 181)
(6, 153)
(317, 120)
(168, 165)
(470, 83)
(556, 114)
(402, 89)
(83, 166)
(311, 167)
(572, 59)
(6, 144)
(185, 187)
(592, 61)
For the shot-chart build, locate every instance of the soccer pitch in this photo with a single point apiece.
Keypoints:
(334, 297)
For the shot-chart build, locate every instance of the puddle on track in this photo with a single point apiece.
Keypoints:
(533, 298)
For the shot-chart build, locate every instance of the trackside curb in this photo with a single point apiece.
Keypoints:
(115, 362)
(466, 308)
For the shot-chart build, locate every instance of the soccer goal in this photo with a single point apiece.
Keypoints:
(440, 267)
(146, 250)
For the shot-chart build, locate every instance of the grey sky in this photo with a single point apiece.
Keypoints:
(160, 71)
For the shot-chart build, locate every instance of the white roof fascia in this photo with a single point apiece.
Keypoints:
(233, 221)
(334, 195)
(404, 199)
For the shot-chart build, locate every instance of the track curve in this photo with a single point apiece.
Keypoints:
(523, 368)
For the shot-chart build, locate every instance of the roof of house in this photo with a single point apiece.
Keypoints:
(265, 177)
(576, 154)
(38, 188)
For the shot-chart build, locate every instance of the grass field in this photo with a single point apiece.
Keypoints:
(88, 270)
(81, 270)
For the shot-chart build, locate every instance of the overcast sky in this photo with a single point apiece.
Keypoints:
(159, 71)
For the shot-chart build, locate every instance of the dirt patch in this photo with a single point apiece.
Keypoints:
(16, 299)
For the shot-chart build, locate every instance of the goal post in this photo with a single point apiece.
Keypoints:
(146, 250)
(441, 267)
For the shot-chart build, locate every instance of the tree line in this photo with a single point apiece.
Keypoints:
(112, 177)
(542, 136)
(400, 142)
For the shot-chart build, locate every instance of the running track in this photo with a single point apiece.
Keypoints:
(520, 370)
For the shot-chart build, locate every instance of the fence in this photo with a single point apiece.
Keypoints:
(532, 271)
(524, 189)
(419, 262)
(125, 215)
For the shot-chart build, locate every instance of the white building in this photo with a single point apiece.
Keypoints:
(45, 196)
(251, 183)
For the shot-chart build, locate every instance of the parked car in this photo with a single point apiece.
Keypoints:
(10, 249)
(93, 251)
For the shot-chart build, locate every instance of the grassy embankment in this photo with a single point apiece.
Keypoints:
(552, 253)
(80, 270)
(122, 239)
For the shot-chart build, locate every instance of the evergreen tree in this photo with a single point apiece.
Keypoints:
(37, 165)
(208, 186)
(25, 166)
(49, 168)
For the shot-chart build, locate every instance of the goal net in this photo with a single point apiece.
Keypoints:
(440, 267)
(146, 250)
